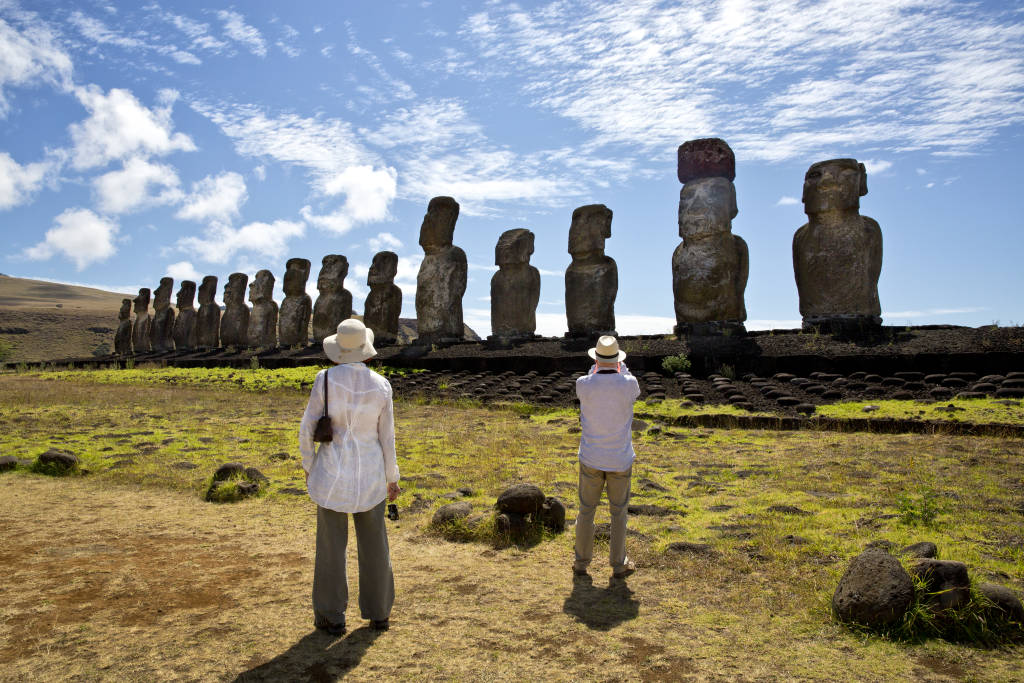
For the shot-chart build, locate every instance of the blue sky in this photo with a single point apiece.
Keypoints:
(191, 138)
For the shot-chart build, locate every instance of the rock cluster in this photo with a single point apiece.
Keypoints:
(234, 481)
(520, 510)
(57, 463)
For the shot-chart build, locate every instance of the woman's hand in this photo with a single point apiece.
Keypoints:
(393, 491)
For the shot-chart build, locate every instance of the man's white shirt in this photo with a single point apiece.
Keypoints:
(606, 417)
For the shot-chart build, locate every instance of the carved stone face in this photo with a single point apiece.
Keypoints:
(834, 184)
(706, 205)
(438, 228)
(208, 289)
(295, 275)
(514, 246)
(262, 288)
(234, 290)
(383, 269)
(591, 226)
(187, 294)
(333, 271)
(126, 309)
(142, 301)
(162, 295)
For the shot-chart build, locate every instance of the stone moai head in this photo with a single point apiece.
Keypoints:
(333, 271)
(438, 228)
(142, 301)
(262, 288)
(383, 269)
(706, 206)
(162, 295)
(705, 158)
(591, 226)
(126, 309)
(208, 289)
(295, 275)
(234, 290)
(187, 294)
(834, 184)
(514, 246)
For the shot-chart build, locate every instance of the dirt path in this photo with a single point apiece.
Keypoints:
(102, 582)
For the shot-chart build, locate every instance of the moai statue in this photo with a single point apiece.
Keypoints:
(335, 302)
(123, 336)
(263, 320)
(384, 302)
(185, 337)
(208, 318)
(441, 281)
(234, 323)
(162, 329)
(515, 288)
(837, 254)
(592, 279)
(710, 266)
(297, 307)
(143, 321)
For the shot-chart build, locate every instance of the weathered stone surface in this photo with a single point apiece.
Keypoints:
(123, 336)
(334, 303)
(441, 280)
(452, 512)
(383, 305)
(234, 322)
(208, 318)
(515, 288)
(922, 549)
(1005, 603)
(297, 306)
(162, 329)
(233, 482)
(143, 321)
(511, 524)
(552, 514)
(184, 333)
(705, 158)
(710, 266)
(523, 499)
(59, 461)
(229, 470)
(7, 463)
(837, 254)
(592, 279)
(947, 582)
(262, 333)
(874, 591)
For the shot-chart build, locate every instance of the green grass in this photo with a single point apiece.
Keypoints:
(973, 410)
(673, 407)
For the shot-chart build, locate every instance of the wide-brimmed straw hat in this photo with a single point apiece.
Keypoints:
(607, 350)
(352, 343)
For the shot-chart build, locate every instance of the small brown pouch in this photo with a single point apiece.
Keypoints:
(324, 431)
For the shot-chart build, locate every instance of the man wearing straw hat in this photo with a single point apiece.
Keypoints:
(606, 395)
(351, 472)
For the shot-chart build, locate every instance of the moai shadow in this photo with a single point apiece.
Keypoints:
(592, 279)
(515, 289)
(143, 321)
(335, 302)
(185, 337)
(384, 302)
(441, 281)
(837, 254)
(208, 318)
(123, 336)
(263, 318)
(162, 329)
(234, 322)
(710, 266)
(297, 306)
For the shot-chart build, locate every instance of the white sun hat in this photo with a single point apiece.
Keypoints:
(607, 350)
(353, 343)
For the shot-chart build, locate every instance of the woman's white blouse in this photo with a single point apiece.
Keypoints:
(350, 473)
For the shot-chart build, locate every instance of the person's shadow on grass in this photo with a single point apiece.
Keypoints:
(316, 657)
(601, 608)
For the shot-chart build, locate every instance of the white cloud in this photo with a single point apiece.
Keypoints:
(384, 241)
(18, 183)
(131, 188)
(876, 165)
(222, 242)
(368, 193)
(236, 29)
(215, 199)
(183, 270)
(260, 172)
(119, 126)
(551, 273)
(787, 201)
(921, 171)
(98, 32)
(80, 235)
(30, 55)
(930, 185)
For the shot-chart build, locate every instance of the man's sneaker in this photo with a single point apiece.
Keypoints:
(332, 629)
(625, 570)
(579, 573)
(380, 625)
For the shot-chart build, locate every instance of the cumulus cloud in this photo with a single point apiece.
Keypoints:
(18, 183)
(786, 200)
(139, 184)
(221, 242)
(79, 235)
(119, 126)
(877, 165)
(236, 29)
(29, 55)
(368, 193)
(183, 270)
(384, 241)
(216, 199)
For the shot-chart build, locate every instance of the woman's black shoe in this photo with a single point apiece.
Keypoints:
(382, 625)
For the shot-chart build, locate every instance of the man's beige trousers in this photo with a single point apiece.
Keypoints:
(591, 483)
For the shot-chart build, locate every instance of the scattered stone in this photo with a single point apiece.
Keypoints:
(56, 462)
(552, 514)
(638, 425)
(946, 582)
(1005, 603)
(881, 544)
(793, 539)
(8, 463)
(511, 524)
(452, 512)
(292, 491)
(651, 510)
(280, 456)
(788, 510)
(686, 547)
(229, 470)
(924, 549)
(184, 465)
(592, 279)
(875, 590)
(719, 508)
(523, 499)
(648, 485)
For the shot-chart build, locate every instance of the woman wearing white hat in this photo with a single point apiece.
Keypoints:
(352, 471)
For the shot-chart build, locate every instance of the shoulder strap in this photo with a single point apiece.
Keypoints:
(325, 391)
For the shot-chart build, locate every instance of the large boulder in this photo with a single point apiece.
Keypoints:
(875, 591)
(521, 499)
(8, 462)
(233, 481)
(1005, 603)
(924, 549)
(946, 582)
(452, 512)
(56, 462)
